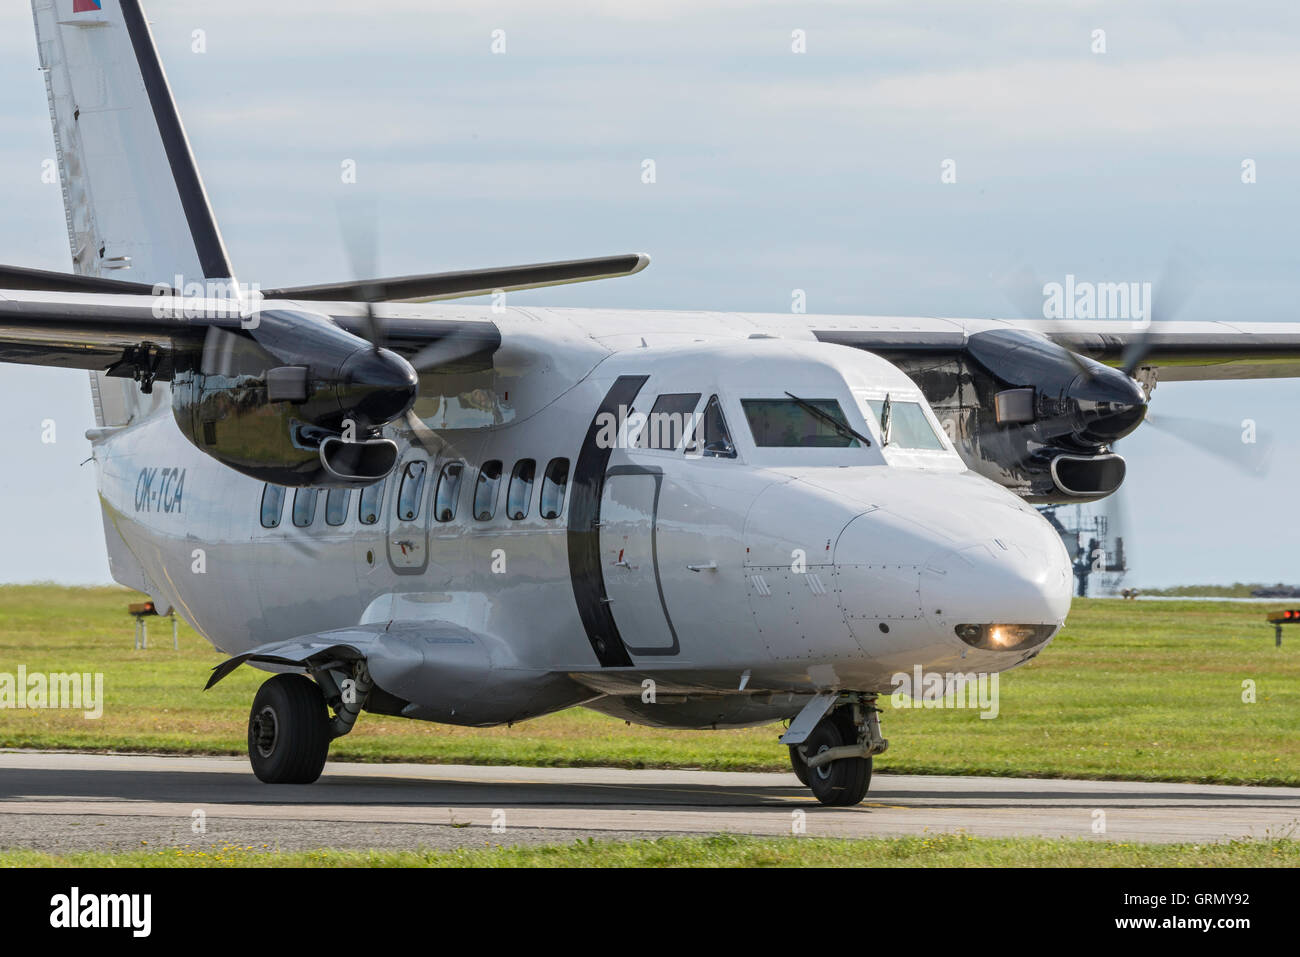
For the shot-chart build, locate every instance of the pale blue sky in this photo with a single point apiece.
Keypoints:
(775, 171)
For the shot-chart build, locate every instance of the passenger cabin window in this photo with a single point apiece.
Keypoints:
(712, 439)
(785, 423)
(304, 506)
(272, 505)
(336, 506)
(554, 483)
(669, 421)
(908, 426)
(411, 491)
(520, 494)
(372, 498)
(448, 492)
(485, 490)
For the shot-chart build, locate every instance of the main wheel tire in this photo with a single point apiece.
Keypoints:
(288, 731)
(797, 763)
(841, 783)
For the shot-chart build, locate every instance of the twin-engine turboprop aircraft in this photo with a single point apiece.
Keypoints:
(473, 515)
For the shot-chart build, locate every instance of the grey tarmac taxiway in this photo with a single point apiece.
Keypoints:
(66, 801)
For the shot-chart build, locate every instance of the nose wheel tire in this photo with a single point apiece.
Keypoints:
(288, 731)
(841, 783)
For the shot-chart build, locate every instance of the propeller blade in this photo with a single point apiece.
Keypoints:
(1173, 290)
(445, 351)
(374, 327)
(357, 224)
(1024, 290)
(434, 442)
(1250, 452)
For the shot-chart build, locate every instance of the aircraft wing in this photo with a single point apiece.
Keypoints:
(470, 282)
(107, 333)
(425, 287)
(100, 330)
(88, 322)
(1177, 351)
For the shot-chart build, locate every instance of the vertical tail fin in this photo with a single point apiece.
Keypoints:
(135, 204)
(132, 195)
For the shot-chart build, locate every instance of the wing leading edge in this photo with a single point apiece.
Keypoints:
(1175, 351)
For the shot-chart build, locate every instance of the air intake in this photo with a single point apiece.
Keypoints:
(1088, 476)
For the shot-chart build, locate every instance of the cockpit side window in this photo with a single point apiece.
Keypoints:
(908, 426)
(712, 439)
(669, 421)
(787, 423)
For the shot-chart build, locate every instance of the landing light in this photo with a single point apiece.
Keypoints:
(1004, 637)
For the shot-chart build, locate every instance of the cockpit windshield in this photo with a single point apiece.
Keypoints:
(789, 423)
(908, 427)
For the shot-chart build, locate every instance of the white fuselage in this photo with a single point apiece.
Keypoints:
(785, 570)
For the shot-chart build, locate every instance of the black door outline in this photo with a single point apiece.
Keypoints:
(658, 475)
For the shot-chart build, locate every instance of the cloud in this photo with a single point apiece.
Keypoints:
(1199, 100)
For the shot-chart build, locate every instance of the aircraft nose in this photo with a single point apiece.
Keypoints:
(947, 564)
(982, 592)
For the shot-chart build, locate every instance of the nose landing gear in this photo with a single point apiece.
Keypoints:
(833, 756)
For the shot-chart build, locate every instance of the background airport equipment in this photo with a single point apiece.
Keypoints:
(141, 611)
(1280, 618)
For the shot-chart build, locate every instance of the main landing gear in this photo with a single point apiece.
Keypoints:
(831, 745)
(290, 728)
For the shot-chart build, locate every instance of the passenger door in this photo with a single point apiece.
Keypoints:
(628, 508)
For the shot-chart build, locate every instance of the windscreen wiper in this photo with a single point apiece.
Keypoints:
(842, 428)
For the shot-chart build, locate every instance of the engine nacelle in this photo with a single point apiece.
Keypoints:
(294, 400)
(1026, 413)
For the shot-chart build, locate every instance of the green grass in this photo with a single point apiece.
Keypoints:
(1130, 690)
(949, 850)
